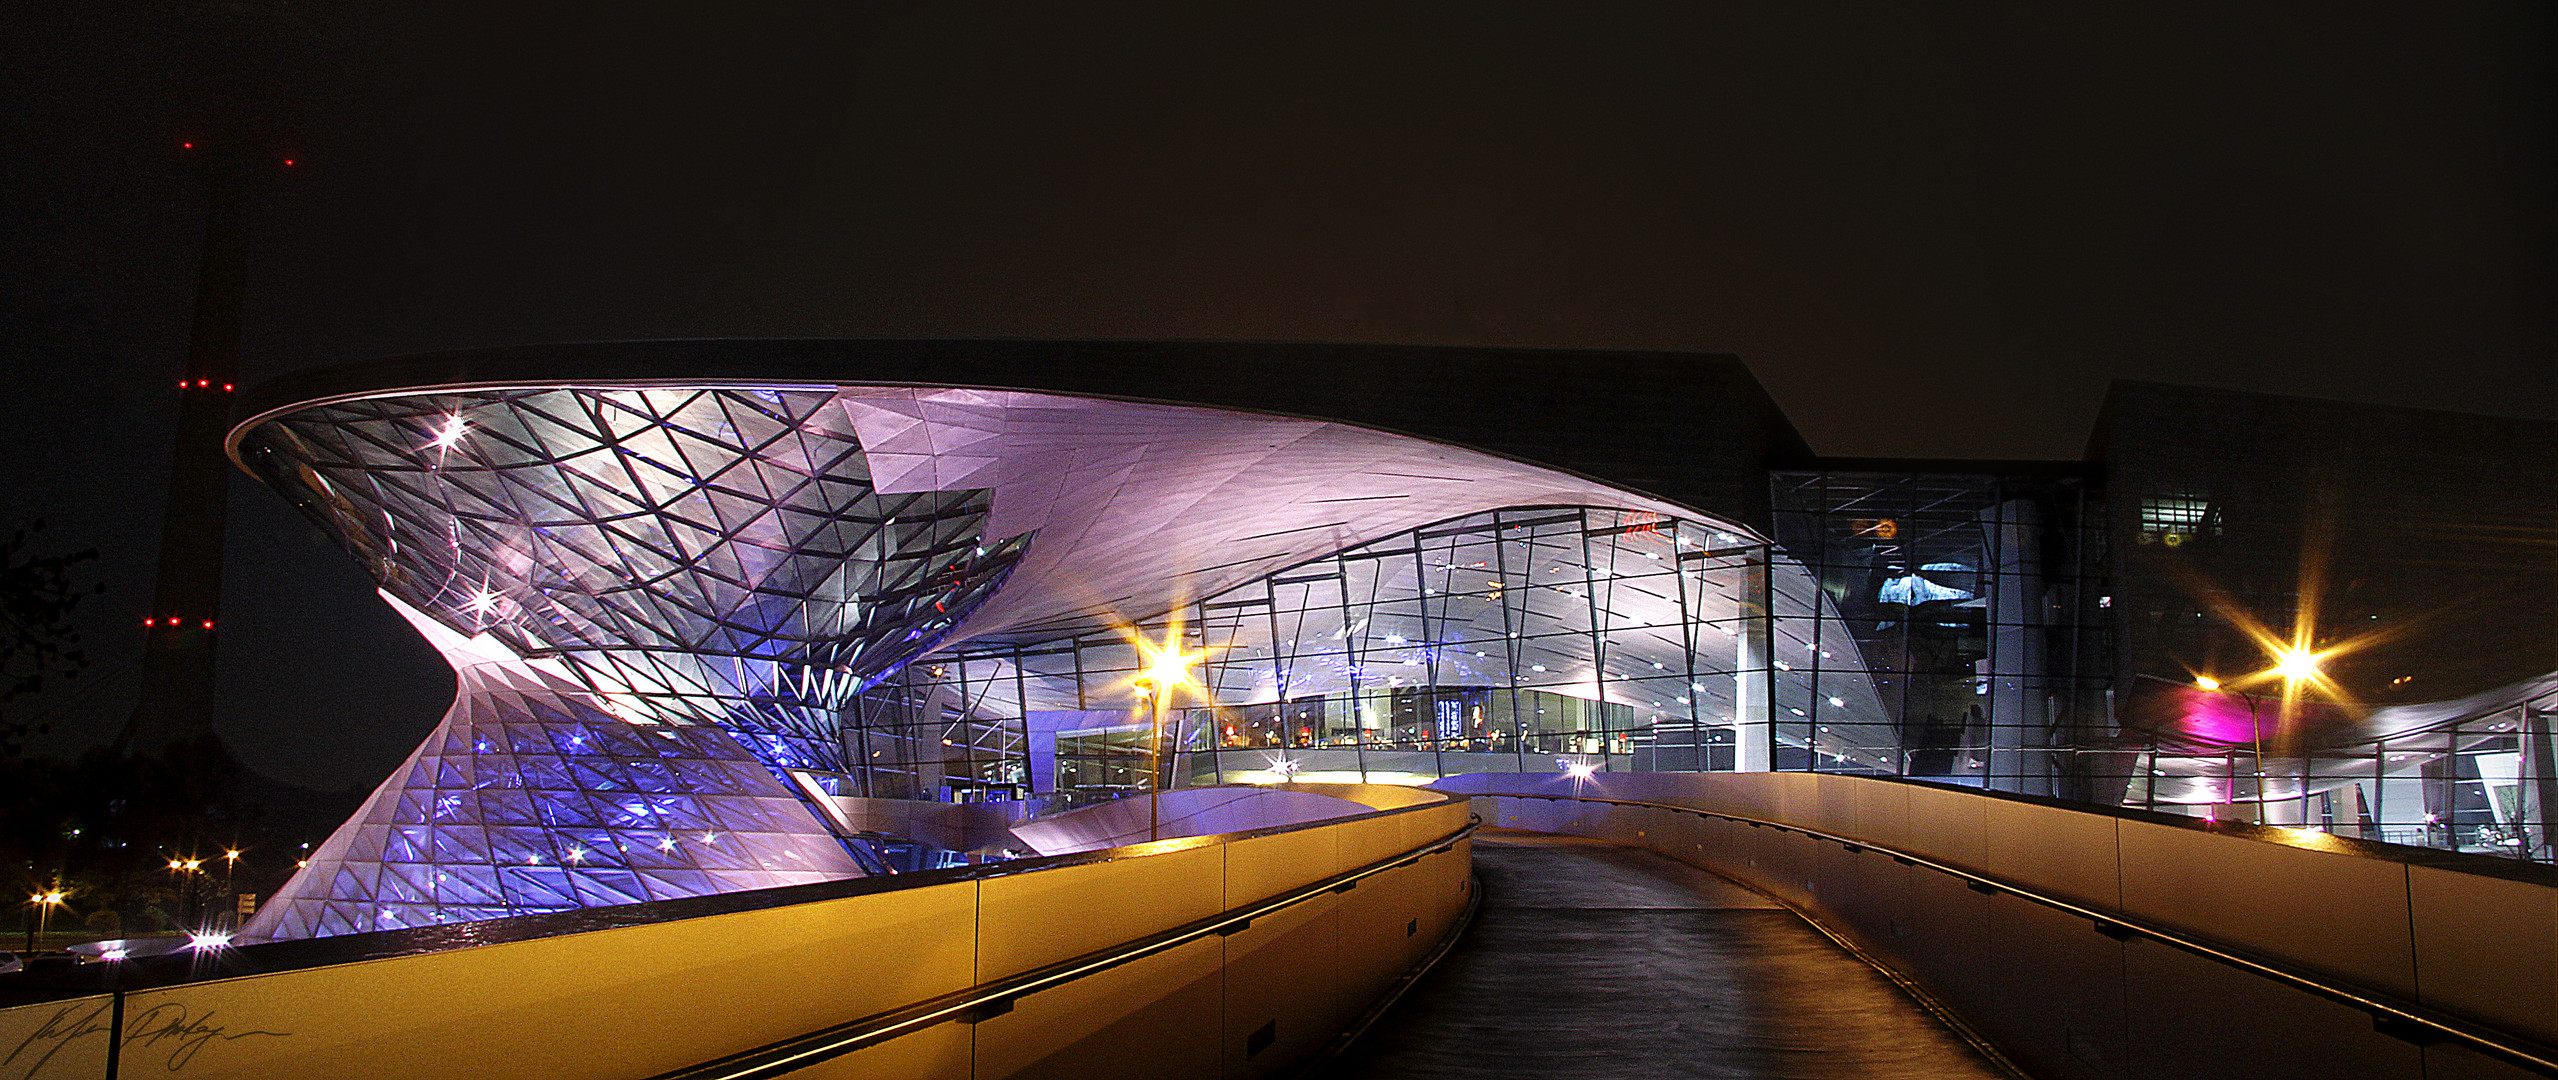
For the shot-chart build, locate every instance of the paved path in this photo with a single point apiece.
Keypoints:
(1594, 960)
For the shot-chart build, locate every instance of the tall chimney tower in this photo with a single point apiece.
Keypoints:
(243, 100)
(186, 601)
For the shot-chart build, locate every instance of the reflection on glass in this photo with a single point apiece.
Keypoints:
(1521, 639)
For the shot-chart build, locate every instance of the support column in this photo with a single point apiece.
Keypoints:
(532, 797)
(1753, 675)
(2019, 704)
(2539, 783)
(2438, 775)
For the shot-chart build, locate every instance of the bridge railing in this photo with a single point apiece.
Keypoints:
(1223, 956)
(2083, 943)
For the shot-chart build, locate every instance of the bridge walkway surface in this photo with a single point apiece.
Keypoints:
(1591, 959)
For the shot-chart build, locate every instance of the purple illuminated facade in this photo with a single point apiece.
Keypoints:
(693, 615)
(675, 612)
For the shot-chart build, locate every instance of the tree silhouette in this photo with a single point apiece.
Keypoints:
(38, 644)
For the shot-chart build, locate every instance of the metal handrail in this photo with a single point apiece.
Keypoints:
(2399, 1019)
(991, 999)
(1321, 1063)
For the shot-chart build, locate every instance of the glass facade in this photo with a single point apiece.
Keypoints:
(717, 611)
(2477, 774)
(658, 602)
(530, 797)
(1977, 607)
(688, 619)
(2395, 546)
(695, 555)
(1529, 638)
(2491, 788)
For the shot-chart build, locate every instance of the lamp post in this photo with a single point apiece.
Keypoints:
(1154, 753)
(2299, 667)
(2256, 729)
(43, 903)
(186, 871)
(230, 894)
(2294, 666)
(1167, 669)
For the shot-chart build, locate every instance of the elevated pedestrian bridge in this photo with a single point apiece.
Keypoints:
(1623, 925)
(1233, 954)
(2071, 941)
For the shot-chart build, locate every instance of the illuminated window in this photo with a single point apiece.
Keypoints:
(2174, 514)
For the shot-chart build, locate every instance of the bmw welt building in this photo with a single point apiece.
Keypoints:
(717, 609)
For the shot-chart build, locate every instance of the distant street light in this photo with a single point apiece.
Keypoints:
(187, 870)
(43, 903)
(230, 889)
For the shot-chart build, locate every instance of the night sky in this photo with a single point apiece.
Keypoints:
(1932, 230)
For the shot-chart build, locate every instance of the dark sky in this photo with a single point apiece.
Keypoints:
(1932, 230)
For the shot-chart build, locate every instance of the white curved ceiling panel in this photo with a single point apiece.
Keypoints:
(1136, 507)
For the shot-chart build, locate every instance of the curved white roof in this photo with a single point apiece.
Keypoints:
(1138, 507)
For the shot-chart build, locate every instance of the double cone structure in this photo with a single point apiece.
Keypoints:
(655, 599)
(668, 601)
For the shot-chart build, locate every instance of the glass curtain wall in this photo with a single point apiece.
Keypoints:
(1522, 639)
(1976, 603)
(692, 555)
(2483, 780)
(2490, 790)
(947, 730)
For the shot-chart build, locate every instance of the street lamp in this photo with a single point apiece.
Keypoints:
(1167, 669)
(2294, 666)
(2255, 727)
(2297, 665)
(43, 903)
(1154, 754)
(186, 870)
(230, 890)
